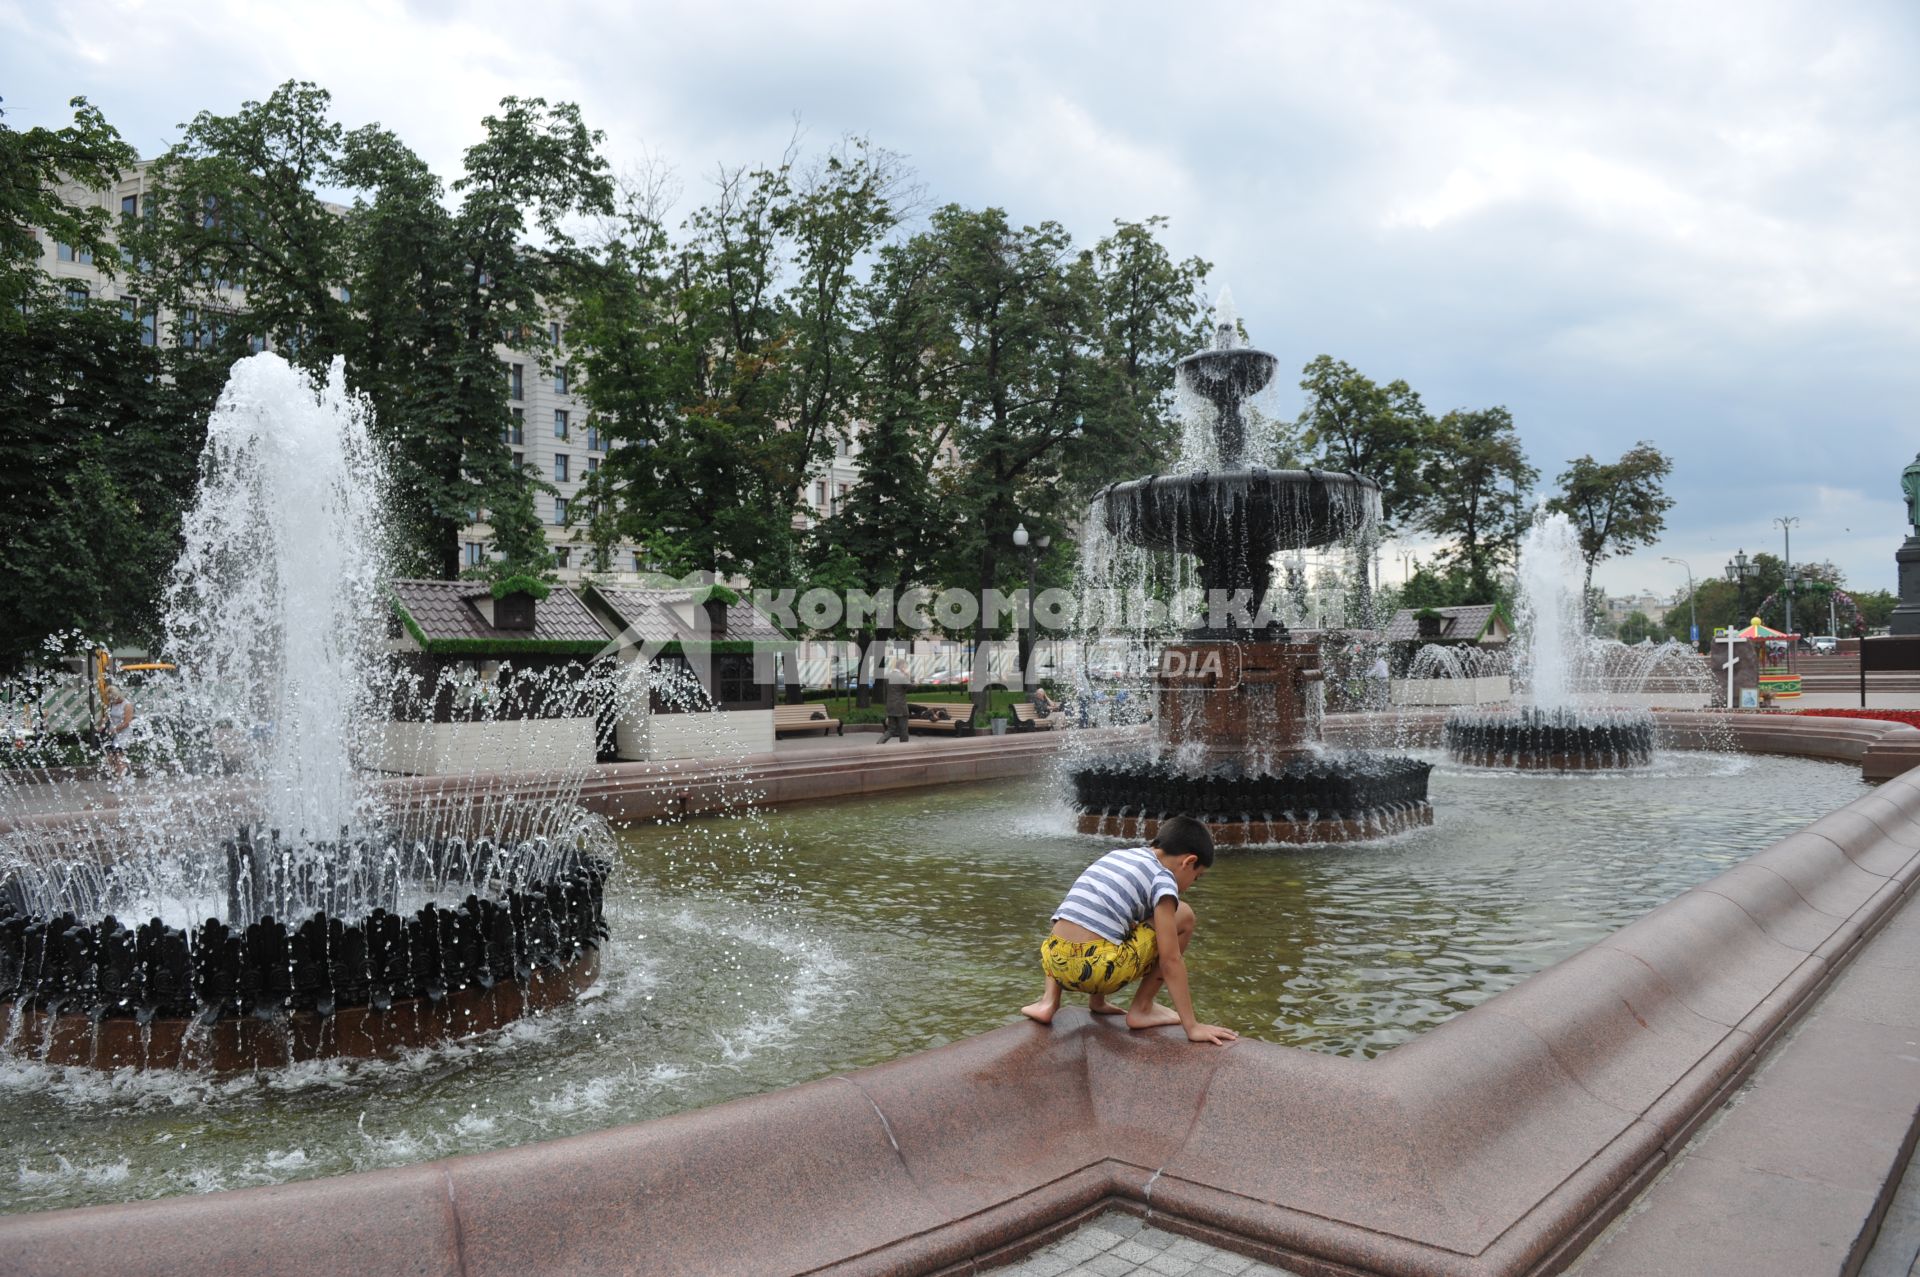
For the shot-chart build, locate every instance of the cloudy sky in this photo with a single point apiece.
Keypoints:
(1690, 223)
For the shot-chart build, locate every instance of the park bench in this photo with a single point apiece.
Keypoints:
(926, 716)
(804, 718)
(1027, 719)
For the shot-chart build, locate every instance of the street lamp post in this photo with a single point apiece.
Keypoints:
(1024, 649)
(1737, 573)
(1786, 522)
(1693, 618)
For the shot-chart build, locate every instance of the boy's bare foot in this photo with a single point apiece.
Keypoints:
(1042, 1010)
(1153, 1017)
(1100, 1006)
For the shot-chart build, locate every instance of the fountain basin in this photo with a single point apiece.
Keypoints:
(1235, 520)
(1575, 739)
(269, 993)
(1318, 799)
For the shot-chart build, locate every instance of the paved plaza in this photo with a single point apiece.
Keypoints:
(1117, 1244)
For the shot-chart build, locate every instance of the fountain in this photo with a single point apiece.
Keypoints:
(279, 902)
(1234, 715)
(1569, 724)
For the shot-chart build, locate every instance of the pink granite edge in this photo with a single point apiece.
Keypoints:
(1575, 1201)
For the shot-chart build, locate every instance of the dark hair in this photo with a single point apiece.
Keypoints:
(1185, 836)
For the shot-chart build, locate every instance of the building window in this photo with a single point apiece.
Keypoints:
(593, 466)
(77, 294)
(560, 379)
(129, 207)
(639, 564)
(559, 423)
(68, 253)
(519, 462)
(820, 495)
(256, 344)
(516, 383)
(559, 467)
(553, 334)
(562, 556)
(131, 312)
(595, 443)
(733, 679)
(516, 427)
(560, 511)
(476, 554)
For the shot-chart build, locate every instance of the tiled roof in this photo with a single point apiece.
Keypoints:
(649, 616)
(1458, 624)
(446, 610)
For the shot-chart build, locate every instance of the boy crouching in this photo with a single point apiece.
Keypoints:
(1114, 927)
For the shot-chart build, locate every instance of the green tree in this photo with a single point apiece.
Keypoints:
(1637, 625)
(234, 222)
(726, 357)
(1383, 432)
(886, 534)
(1478, 481)
(1151, 311)
(98, 454)
(1616, 506)
(1023, 312)
(1876, 607)
(415, 295)
(33, 164)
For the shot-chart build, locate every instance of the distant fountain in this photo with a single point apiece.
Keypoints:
(254, 897)
(1235, 701)
(1569, 722)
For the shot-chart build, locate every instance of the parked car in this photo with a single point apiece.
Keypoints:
(1824, 643)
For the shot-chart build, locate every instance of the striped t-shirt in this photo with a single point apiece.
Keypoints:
(1118, 892)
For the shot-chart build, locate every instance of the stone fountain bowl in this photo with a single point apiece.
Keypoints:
(1251, 511)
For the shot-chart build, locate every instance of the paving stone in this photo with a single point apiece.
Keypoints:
(1188, 1248)
(1111, 1265)
(1074, 1249)
(1169, 1265)
(1044, 1263)
(1133, 1252)
(1225, 1261)
(1158, 1238)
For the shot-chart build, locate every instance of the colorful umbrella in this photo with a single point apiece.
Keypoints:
(1758, 631)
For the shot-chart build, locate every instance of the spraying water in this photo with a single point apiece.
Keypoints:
(1553, 649)
(275, 604)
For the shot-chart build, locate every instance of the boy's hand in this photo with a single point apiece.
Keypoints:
(1211, 1033)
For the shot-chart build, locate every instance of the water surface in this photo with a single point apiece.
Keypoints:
(748, 955)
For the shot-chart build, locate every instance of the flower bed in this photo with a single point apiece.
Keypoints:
(1911, 717)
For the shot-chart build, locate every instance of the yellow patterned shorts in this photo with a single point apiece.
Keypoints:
(1099, 966)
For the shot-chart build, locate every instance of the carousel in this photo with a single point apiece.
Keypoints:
(1779, 677)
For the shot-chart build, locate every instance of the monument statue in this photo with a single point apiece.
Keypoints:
(1906, 615)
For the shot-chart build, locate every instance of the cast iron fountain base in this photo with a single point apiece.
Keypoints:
(229, 999)
(1321, 799)
(1550, 740)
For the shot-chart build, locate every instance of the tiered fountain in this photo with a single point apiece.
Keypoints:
(1234, 723)
(1568, 723)
(251, 897)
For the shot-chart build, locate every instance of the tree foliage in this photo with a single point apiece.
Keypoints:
(417, 296)
(97, 456)
(1615, 506)
(1478, 482)
(1383, 432)
(33, 164)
